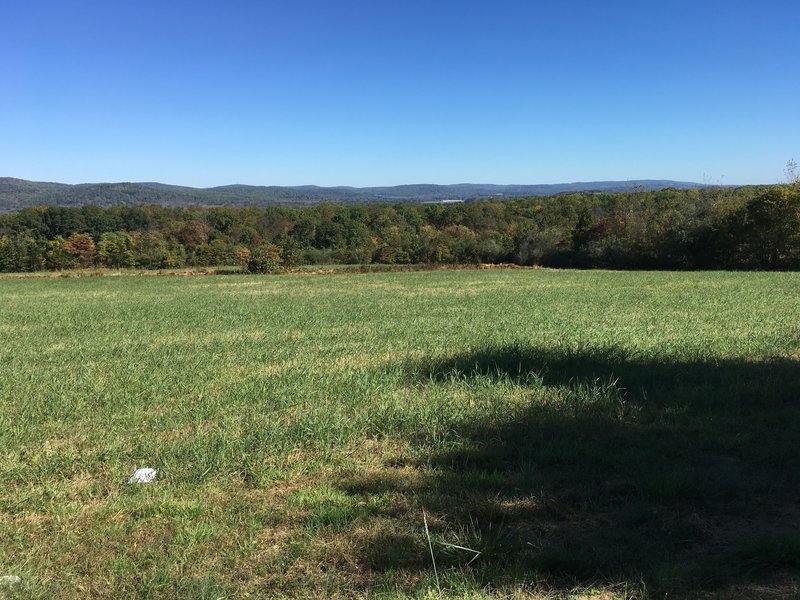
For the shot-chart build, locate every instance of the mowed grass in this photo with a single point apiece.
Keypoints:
(577, 434)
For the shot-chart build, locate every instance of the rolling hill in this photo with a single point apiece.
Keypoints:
(19, 193)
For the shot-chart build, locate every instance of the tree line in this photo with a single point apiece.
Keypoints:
(709, 228)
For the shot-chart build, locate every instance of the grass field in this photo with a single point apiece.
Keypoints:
(586, 434)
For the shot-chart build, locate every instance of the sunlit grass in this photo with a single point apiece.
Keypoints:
(628, 433)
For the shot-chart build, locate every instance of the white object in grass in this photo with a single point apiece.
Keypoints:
(9, 581)
(143, 475)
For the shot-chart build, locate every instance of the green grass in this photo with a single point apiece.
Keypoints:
(590, 434)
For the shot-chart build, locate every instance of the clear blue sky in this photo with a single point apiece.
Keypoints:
(404, 91)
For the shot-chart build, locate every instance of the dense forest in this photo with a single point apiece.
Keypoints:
(709, 228)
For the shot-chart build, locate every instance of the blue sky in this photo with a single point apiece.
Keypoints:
(383, 93)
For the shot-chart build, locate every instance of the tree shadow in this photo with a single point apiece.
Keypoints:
(672, 475)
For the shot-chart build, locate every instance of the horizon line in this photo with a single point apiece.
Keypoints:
(362, 187)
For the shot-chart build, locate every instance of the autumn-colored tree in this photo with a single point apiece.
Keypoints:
(82, 248)
(192, 234)
(242, 256)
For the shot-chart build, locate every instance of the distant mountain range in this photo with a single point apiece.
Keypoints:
(19, 193)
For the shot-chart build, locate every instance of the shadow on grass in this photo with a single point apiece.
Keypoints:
(674, 476)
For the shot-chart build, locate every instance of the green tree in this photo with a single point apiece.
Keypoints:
(290, 250)
(31, 253)
(117, 250)
(540, 246)
(265, 259)
(56, 255)
(151, 250)
(772, 222)
(8, 254)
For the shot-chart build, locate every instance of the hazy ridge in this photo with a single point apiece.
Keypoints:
(19, 193)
